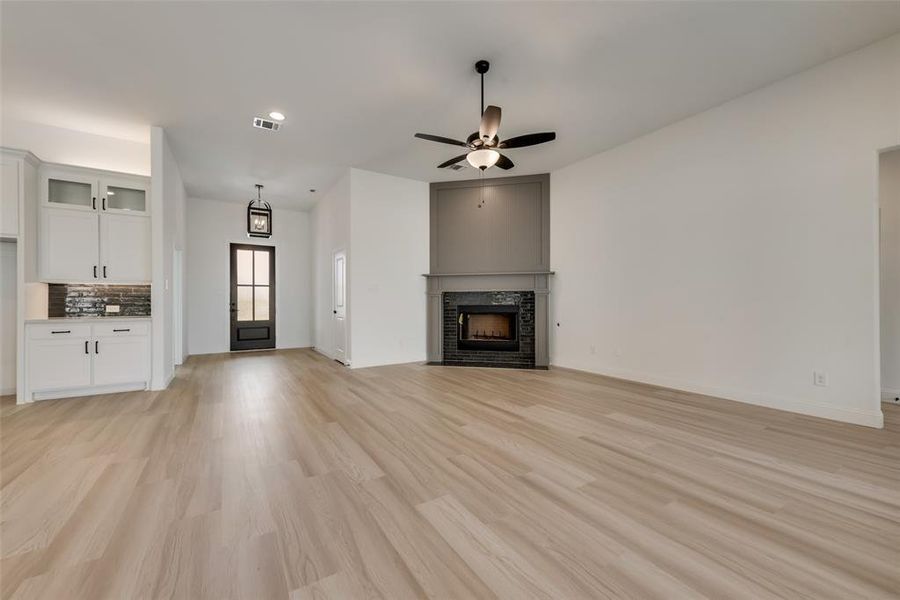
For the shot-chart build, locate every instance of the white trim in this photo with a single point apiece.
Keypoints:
(888, 395)
(94, 390)
(805, 407)
(7, 391)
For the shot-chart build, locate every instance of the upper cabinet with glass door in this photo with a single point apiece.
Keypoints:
(81, 189)
(124, 196)
(66, 189)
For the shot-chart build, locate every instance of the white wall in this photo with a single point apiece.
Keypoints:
(80, 148)
(212, 226)
(167, 207)
(8, 318)
(735, 252)
(889, 195)
(389, 234)
(330, 231)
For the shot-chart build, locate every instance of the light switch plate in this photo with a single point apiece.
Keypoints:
(820, 378)
(112, 308)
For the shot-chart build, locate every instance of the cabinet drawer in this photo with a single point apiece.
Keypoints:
(121, 328)
(61, 331)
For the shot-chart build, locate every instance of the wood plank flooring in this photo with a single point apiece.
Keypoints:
(284, 475)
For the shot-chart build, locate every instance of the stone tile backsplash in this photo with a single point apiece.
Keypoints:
(87, 300)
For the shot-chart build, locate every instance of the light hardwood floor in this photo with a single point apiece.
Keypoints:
(284, 475)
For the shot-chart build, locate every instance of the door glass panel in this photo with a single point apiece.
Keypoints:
(261, 265)
(261, 302)
(339, 282)
(126, 198)
(245, 303)
(72, 193)
(245, 267)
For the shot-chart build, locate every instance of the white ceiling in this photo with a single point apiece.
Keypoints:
(356, 80)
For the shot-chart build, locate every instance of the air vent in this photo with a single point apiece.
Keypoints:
(266, 124)
(457, 167)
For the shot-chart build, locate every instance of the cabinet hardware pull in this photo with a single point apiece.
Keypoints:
(94, 203)
(62, 331)
(104, 271)
(104, 202)
(86, 347)
(96, 346)
(115, 330)
(95, 271)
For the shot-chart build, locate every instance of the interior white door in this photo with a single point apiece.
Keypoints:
(339, 309)
(124, 248)
(69, 245)
(121, 359)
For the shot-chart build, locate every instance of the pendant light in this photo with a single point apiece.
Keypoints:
(259, 216)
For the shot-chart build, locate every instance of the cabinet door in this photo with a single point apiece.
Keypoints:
(69, 246)
(124, 248)
(61, 189)
(122, 359)
(9, 200)
(124, 196)
(59, 364)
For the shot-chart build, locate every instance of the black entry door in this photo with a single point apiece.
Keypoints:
(252, 297)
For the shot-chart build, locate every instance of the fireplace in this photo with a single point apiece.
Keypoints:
(488, 327)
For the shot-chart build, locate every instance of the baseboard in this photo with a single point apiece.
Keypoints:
(814, 409)
(889, 395)
(7, 391)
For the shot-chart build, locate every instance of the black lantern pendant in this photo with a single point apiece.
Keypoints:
(259, 216)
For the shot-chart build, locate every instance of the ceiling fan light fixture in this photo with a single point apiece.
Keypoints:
(483, 158)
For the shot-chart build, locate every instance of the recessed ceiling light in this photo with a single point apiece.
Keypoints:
(276, 115)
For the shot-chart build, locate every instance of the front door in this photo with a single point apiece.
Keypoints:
(339, 309)
(252, 297)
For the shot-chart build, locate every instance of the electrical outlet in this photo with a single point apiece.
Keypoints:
(112, 308)
(820, 378)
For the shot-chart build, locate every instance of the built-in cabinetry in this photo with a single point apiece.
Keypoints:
(94, 227)
(74, 357)
(11, 182)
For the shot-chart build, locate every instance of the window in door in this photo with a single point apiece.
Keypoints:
(252, 297)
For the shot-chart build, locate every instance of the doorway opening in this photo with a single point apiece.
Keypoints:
(252, 297)
(889, 240)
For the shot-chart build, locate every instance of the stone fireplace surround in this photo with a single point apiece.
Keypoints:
(490, 245)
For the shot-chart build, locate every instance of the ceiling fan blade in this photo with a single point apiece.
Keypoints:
(504, 163)
(453, 161)
(529, 139)
(441, 139)
(490, 123)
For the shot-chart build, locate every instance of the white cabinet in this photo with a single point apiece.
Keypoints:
(10, 190)
(59, 357)
(65, 359)
(69, 245)
(124, 240)
(120, 359)
(95, 227)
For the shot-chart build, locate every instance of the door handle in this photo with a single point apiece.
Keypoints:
(62, 331)
(104, 202)
(96, 346)
(94, 203)
(334, 311)
(104, 271)
(95, 271)
(86, 347)
(118, 330)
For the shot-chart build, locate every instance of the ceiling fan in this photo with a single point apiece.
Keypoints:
(484, 145)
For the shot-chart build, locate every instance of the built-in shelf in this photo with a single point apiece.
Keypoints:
(488, 274)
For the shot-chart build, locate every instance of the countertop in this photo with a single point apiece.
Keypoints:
(85, 319)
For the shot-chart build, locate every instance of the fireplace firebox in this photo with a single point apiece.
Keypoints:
(488, 327)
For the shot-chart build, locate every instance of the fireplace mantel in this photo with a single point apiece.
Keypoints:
(488, 274)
